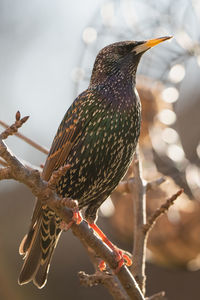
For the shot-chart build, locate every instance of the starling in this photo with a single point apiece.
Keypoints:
(97, 137)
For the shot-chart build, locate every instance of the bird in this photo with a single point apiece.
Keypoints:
(97, 138)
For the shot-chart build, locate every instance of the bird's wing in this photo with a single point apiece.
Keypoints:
(71, 128)
(68, 131)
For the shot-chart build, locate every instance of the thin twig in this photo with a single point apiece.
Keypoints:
(161, 210)
(107, 280)
(111, 283)
(94, 279)
(152, 185)
(27, 140)
(157, 296)
(138, 192)
(10, 130)
(56, 176)
(124, 186)
(25, 163)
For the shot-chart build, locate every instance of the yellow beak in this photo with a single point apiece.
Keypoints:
(154, 42)
(150, 43)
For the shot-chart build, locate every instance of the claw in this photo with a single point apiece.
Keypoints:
(76, 216)
(102, 265)
(121, 258)
(120, 264)
(127, 260)
(77, 219)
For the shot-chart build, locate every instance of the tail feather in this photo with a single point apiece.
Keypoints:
(40, 277)
(38, 247)
(32, 259)
(25, 243)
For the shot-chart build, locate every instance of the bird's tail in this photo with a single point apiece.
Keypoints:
(38, 247)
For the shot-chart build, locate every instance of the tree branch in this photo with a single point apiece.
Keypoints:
(124, 186)
(48, 196)
(152, 185)
(138, 188)
(122, 286)
(138, 193)
(56, 175)
(10, 130)
(161, 210)
(107, 280)
(157, 296)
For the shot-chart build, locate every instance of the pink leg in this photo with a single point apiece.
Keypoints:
(120, 257)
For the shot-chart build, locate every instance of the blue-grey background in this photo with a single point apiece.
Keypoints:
(41, 43)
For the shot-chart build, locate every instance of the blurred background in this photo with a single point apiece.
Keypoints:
(47, 50)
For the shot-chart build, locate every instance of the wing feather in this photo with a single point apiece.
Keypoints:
(69, 130)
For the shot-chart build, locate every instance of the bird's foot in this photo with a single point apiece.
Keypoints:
(102, 265)
(76, 218)
(121, 257)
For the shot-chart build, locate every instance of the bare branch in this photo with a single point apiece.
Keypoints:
(10, 130)
(25, 163)
(152, 185)
(107, 280)
(138, 193)
(27, 140)
(124, 186)
(47, 196)
(161, 210)
(94, 279)
(157, 296)
(112, 284)
(122, 286)
(56, 175)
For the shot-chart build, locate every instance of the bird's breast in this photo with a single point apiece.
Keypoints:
(101, 156)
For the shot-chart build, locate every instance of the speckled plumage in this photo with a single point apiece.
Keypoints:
(97, 137)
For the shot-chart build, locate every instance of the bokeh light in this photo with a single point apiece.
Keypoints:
(107, 13)
(170, 136)
(177, 73)
(170, 94)
(198, 150)
(194, 264)
(77, 74)
(89, 35)
(184, 40)
(167, 117)
(176, 153)
(198, 60)
(193, 176)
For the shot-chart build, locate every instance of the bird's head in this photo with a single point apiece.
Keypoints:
(121, 57)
